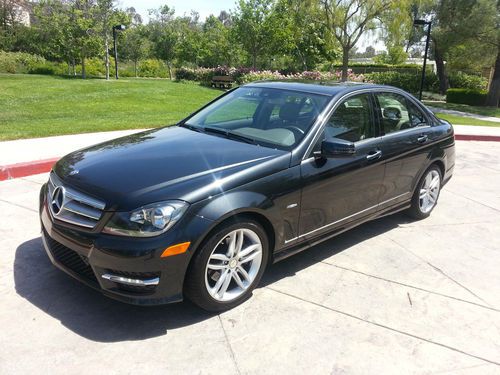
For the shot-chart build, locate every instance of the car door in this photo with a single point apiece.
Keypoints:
(405, 145)
(345, 188)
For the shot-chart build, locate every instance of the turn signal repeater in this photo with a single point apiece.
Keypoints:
(175, 249)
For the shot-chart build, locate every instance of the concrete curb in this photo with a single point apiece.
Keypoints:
(28, 168)
(471, 137)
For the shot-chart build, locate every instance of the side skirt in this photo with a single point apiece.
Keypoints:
(285, 253)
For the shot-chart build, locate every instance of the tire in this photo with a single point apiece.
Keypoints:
(216, 281)
(423, 203)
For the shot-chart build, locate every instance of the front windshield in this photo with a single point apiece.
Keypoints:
(270, 117)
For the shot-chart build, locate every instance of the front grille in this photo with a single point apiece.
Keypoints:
(135, 289)
(72, 206)
(70, 259)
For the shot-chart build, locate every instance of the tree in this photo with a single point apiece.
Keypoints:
(252, 27)
(347, 20)
(302, 37)
(163, 35)
(135, 45)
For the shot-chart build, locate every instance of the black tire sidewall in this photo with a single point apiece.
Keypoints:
(195, 288)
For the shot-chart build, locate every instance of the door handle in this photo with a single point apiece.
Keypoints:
(422, 139)
(375, 155)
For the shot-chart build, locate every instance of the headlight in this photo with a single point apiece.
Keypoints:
(147, 221)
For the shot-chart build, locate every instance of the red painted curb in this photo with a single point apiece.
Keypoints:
(471, 137)
(26, 169)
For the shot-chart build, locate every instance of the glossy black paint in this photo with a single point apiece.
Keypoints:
(299, 197)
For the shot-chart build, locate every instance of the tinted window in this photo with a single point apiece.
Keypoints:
(398, 113)
(352, 120)
(271, 117)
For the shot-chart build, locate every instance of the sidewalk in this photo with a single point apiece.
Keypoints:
(26, 157)
(463, 114)
(31, 156)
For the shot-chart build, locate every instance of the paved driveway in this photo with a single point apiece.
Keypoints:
(392, 296)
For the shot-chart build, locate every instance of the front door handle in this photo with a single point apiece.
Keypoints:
(374, 155)
(422, 139)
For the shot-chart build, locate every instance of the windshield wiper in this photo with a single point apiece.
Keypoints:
(191, 127)
(230, 135)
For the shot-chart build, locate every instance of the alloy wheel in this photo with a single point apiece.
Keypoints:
(429, 191)
(233, 265)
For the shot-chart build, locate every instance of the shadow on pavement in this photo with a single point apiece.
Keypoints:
(288, 267)
(91, 315)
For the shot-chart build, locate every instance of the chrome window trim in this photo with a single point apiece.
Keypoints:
(347, 217)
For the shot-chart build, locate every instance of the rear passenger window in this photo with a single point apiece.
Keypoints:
(398, 113)
(352, 120)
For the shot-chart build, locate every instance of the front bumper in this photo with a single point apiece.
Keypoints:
(91, 257)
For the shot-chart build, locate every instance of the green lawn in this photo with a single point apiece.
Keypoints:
(38, 106)
(459, 120)
(485, 111)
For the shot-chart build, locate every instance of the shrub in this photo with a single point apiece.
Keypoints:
(462, 80)
(19, 62)
(466, 96)
(152, 68)
(406, 81)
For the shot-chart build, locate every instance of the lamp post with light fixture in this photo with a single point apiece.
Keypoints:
(423, 23)
(115, 29)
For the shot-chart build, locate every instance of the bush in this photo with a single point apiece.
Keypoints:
(20, 62)
(462, 80)
(152, 68)
(466, 96)
(406, 81)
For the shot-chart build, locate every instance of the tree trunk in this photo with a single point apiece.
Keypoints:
(84, 73)
(441, 70)
(493, 98)
(135, 68)
(169, 70)
(106, 45)
(345, 63)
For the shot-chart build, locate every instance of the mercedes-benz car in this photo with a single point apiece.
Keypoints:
(200, 209)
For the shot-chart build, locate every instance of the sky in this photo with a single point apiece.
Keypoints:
(207, 7)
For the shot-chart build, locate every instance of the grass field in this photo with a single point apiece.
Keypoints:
(38, 106)
(459, 120)
(485, 111)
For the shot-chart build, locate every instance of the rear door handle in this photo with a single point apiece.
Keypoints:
(422, 139)
(374, 155)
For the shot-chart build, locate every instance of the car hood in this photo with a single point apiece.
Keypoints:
(166, 163)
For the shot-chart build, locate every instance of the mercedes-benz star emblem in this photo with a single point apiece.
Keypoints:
(57, 202)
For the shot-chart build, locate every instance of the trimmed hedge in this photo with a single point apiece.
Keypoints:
(460, 80)
(406, 81)
(466, 96)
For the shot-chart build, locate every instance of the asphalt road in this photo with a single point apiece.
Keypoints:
(390, 297)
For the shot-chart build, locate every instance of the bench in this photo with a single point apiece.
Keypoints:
(222, 82)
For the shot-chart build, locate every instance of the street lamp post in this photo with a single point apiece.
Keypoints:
(115, 29)
(423, 23)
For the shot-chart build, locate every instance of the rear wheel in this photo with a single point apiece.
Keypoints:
(426, 194)
(228, 267)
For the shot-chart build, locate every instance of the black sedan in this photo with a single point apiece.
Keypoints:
(264, 171)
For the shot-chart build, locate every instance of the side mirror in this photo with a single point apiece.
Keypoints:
(335, 147)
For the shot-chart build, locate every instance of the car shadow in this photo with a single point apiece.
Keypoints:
(93, 316)
(290, 266)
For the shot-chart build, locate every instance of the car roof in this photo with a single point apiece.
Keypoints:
(330, 88)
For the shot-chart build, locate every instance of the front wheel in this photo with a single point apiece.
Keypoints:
(228, 267)
(426, 194)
